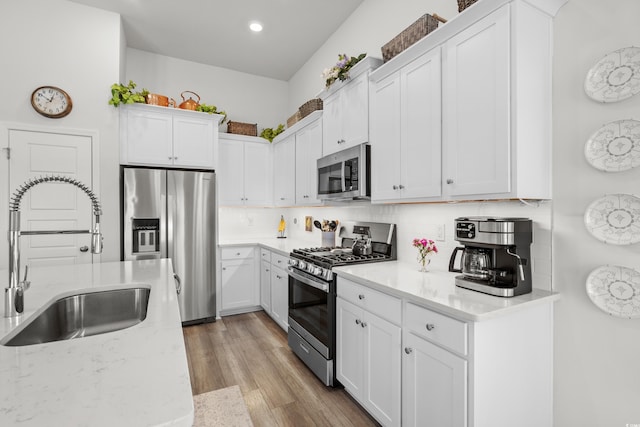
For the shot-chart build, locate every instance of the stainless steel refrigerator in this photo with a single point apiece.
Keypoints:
(171, 213)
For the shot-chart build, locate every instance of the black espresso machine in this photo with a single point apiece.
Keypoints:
(496, 256)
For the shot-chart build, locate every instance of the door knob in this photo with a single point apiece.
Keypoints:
(84, 248)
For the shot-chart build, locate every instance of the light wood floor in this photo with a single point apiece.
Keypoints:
(251, 350)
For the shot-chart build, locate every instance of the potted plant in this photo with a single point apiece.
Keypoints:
(121, 94)
(270, 133)
(211, 109)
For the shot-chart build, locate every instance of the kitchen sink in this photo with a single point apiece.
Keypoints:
(83, 315)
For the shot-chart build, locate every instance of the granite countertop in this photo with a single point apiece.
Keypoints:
(136, 376)
(282, 246)
(437, 290)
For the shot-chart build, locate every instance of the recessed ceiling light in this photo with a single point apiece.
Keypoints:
(255, 27)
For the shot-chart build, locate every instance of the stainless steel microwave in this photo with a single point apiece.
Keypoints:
(345, 175)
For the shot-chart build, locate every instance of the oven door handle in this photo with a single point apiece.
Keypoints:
(322, 286)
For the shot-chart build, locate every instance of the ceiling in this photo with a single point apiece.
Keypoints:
(216, 32)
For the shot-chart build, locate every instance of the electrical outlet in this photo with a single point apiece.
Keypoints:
(440, 233)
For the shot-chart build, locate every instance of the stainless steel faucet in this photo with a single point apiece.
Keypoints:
(14, 293)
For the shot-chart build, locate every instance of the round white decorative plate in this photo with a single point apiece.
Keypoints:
(615, 77)
(615, 290)
(615, 147)
(614, 218)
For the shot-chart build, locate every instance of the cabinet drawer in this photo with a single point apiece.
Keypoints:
(237, 253)
(440, 329)
(378, 303)
(280, 261)
(265, 255)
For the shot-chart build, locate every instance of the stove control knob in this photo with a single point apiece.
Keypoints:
(293, 262)
(317, 271)
(310, 268)
(302, 265)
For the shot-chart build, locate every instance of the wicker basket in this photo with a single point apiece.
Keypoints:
(239, 128)
(414, 32)
(293, 119)
(463, 4)
(392, 48)
(309, 107)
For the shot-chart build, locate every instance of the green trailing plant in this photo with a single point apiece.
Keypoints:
(121, 94)
(211, 109)
(270, 133)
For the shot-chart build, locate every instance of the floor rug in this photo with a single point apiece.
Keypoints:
(221, 408)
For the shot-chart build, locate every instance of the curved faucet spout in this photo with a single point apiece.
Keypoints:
(14, 293)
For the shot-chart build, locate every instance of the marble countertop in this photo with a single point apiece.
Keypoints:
(136, 376)
(436, 290)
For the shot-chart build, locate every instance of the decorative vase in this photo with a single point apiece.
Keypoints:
(424, 260)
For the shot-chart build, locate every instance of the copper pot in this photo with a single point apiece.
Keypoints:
(189, 104)
(161, 100)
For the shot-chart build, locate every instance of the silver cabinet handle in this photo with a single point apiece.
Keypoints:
(357, 321)
(400, 186)
(84, 248)
(449, 181)
(178, 283)
(395, 187)
(361, 296)
(430, 326)
(237, 253)
(278, 276)
(363, 324)
(408, 350)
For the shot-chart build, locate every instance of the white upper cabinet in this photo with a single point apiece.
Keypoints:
(346, 109)
(493, 119)
(308, 151)
(284, 171)
(405, 132)
(477, 144)
(160, 136)
(244, 171)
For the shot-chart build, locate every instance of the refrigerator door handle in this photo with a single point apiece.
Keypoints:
(178, 283)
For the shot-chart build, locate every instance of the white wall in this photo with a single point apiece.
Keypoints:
(596, 357)
(369, 27)
(74, 47)
(245, 97)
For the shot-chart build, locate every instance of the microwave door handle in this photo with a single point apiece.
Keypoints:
(344, 178)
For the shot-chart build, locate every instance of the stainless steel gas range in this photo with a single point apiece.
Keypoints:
(312, 290)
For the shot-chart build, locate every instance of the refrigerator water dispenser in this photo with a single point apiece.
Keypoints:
(146, 235)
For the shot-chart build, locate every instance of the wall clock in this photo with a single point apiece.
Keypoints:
(51, 102)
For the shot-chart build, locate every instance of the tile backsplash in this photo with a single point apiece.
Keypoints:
(427, 220)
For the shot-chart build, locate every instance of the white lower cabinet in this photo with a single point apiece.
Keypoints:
(434, 385)
(280, 297)
(274, 287)
(239, 280)
(368, 350)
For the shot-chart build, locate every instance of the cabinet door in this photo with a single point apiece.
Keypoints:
(434, 385)
(284, 172)
(382, 356)
(265, 286)
(420, 147)
(476, 96)
(349, 347)
(355, 111)
(385, 138)
(231, 173)
(193, 142)
(238, 280)
(148, 137)
(257, 174)
(280, 297)
(332, 124)
(308, 151)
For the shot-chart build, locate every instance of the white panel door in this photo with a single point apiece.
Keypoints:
(52, 206)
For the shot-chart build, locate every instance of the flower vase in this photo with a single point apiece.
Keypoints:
(424, 261)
